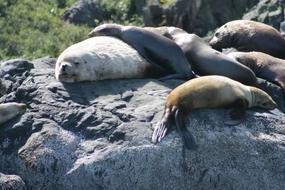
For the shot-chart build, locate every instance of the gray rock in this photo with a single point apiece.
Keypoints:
(197, 16)
(282, 28)
(88, 12)
(97, 135)
(267, 11)
(11, 182)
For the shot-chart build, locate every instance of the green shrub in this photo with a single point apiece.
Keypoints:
(122, 11)
(33, 29)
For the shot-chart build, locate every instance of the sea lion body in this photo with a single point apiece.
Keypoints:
(157, 49)
(101, 58)
(246, 35)
(263, 65)
(11, 110)
(207, 92)
(204, 59)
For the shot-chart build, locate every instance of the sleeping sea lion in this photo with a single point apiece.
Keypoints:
(11, 110)
(208, 92)
(101, 58)
(204, 59)
(155, 48)
(263, 65)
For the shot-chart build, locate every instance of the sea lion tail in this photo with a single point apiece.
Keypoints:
(161, 127)
(187, 137)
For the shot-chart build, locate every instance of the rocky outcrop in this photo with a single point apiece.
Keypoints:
(97, 135)
(11, 182)
(88, 12)
(197, 16)
(267, 11)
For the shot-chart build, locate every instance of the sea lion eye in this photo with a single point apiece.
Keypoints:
(264, 104)
(217, 34)
(76, 63)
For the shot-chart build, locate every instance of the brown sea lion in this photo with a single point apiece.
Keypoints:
(263, 65)
(204, 59)
(155, 48)
(246, 35)
(208, 92)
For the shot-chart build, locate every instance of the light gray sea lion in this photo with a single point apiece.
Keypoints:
(11, 110)
(208, 92)
(246, 35)
(101, 58)
(157, 49)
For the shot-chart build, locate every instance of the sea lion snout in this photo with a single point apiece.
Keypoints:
(215, 43)
(65, 68)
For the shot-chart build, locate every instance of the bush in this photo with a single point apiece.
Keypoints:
(33, 29)
(122, 11)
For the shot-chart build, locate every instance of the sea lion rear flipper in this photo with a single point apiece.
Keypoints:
(235, 115)
(161, 128)
(187, 137)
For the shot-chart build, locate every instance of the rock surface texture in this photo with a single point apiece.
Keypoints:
(267, 11)
(97, 135)
(11, 182)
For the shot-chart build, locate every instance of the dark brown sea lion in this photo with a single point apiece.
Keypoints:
(204, 59)
(246, 35)
(208, 92)
(155, 48)
(263, 65)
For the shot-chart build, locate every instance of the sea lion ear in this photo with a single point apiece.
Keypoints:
(235, 115)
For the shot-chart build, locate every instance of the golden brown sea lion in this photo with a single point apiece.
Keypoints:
(208, 92)
(246, 35)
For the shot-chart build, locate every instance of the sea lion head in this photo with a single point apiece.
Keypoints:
(262, 99)
(221, 38)
(106, 30)
(68, 69)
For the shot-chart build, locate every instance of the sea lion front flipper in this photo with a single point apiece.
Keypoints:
(187, 137)
(174, 76)
(235, 115)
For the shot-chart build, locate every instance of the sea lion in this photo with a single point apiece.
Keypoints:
(204, 59)
(101, 58)
(11, 110)
(246, 35)
(157, 49)
(208, 92)
(263, 65)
